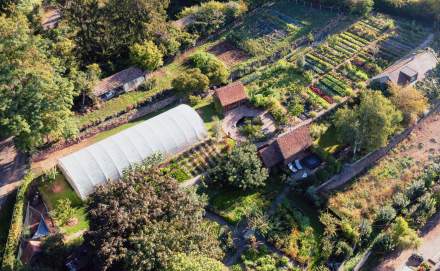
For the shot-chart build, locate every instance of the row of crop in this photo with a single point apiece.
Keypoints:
(337, 85)
(318, 63)
(317, 99)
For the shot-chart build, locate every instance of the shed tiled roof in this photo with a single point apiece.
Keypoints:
(418, 63)
(231, 93)
(270, 156)
(294, 142)
(286, 147)
(117, 80)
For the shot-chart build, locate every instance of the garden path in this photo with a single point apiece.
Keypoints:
(239, 233)
(229, 123)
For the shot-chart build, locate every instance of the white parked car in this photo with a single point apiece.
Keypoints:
(298, 165)
(292, 167)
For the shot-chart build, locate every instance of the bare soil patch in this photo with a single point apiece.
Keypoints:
(228, 53)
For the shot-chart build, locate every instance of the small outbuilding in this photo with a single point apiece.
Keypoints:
(168, 133)
(231, 96)
(408, 70)
(123, 81)
(287, 147)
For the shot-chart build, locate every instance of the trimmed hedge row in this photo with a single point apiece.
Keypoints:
(15, 230)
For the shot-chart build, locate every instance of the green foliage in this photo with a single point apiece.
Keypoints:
(212, 15)
(182, 262)
(258, 258)
(147, 219)
(403, 236)
(210, 66)
(368, 125)
(33, 107)
(191, 81)
(146, 55)
(385, 215)
(16, 227)
(242, 169)
(63, 212)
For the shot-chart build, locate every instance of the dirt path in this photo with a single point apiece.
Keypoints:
(12, 168)
(428, 249)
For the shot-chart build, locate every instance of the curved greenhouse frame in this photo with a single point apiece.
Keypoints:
(168, 133)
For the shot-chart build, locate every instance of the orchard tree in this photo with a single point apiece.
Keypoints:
(367, 126)
(144, 219)
(191, 81)
(242, 169)
(35, 97)
(146, 55)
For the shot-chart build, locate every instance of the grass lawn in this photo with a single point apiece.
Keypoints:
(5, 220)
(208, 112)
(233, 205)
(65, 192)
(122, 127)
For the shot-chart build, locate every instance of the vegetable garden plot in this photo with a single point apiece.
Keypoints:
(195, 161)
(276, 27)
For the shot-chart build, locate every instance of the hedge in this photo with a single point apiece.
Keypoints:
(15, 230)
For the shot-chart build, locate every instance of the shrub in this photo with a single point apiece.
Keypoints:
(385, 215)
(146, 55)
(211, 66)
(63, 211)
(191, 81)
(194, 100)
(343, 250)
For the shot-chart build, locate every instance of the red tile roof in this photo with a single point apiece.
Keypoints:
(294, 142)
(117, 80)
(231, 94)
(270, 156)
(284, 148)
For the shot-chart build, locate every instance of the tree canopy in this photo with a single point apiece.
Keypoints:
(191, 81)
(242, 169)
(367, 126)
(210, 66)
(409, 100)
(146, 55)
(36, 98)
(143, 220)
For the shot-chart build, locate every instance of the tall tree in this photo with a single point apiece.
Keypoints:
(242, 169)
(368, 125)
(141, 221)
(35, 98)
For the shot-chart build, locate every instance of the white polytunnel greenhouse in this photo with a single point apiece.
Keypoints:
(168, 133)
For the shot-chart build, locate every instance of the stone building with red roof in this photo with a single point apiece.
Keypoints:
(231, 96)
(287, 147)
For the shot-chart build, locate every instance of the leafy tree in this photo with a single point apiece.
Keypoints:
(409, 100)
(143, 220)
(85, 81)
(36, 98)
(191, 81)
(146, 55)
(240, 169)
(368, 125)
(211, 66)
(106, 29)
(182, 262)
